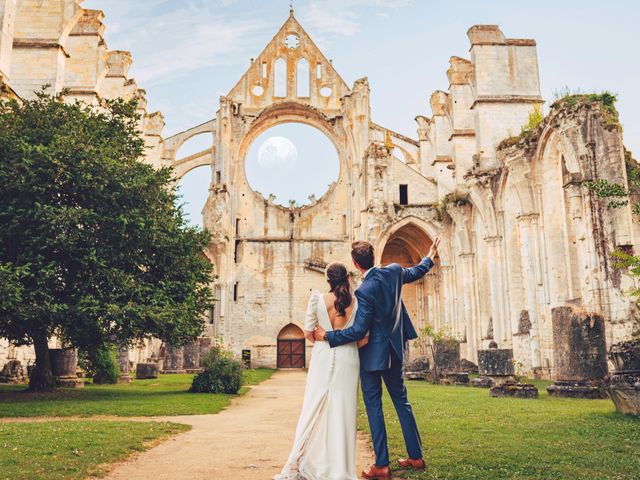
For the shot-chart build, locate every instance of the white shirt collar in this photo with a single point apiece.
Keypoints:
(364, 275)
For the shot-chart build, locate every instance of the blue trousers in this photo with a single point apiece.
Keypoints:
(372, 393)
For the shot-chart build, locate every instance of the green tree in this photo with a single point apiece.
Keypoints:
(93, 248)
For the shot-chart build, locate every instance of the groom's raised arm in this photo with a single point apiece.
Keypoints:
(361, 324)
(412, 274)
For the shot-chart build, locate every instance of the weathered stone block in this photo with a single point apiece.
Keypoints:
(482, 382)
(624, 391)
(516, 390)
(579, 345)
(205, 346)
(191, 355)
(173, 359)
(626, 356)
(624, 386)
(577, 389)
(447, 355)
(496, 362)
(64, 361)
(461, 378)
(64, 364)
(416, 365)
(13, 372)
(146, 370)
(468, 366)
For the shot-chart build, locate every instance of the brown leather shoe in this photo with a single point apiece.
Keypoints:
(415, 463)
(377, 473)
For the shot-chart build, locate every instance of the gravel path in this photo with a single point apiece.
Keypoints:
(248, 440)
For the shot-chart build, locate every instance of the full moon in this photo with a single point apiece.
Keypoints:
(277, 152)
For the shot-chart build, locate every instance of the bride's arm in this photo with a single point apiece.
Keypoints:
(311, 319)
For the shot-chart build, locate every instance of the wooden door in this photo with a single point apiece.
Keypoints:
(291, 353)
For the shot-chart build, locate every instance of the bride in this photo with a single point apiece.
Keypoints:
(325, 444)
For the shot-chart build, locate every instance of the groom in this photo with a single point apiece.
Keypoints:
(383, 316)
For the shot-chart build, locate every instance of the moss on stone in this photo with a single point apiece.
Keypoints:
(606, 99)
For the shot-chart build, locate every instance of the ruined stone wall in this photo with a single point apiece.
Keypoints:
(522, 234)
(60, 44)
(530, 236)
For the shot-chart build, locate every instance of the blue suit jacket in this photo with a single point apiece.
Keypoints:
(382, 314)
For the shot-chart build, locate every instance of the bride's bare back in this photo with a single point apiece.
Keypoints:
(337, 321)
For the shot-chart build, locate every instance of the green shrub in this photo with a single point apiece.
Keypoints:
(535, 118)
(222, 373)
(102, 364)
(456, 198)
(567, 98)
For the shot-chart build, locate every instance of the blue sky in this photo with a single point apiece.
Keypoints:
(189, 52)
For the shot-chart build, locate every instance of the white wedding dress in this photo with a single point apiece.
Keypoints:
(325, 444)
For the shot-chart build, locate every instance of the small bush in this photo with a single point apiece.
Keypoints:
(535, 118)
(456, 198)
(567, 98)
(222, 374)
(102, 364)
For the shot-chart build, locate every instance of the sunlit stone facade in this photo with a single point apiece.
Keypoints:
(521, 232)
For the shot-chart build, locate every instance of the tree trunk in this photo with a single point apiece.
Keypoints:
(435, 373)
(42, 379)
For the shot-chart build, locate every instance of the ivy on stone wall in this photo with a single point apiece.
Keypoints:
(618, 196)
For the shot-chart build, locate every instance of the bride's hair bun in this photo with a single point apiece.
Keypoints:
(338, 278)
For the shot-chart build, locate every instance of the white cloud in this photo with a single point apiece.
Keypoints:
(343, 17)
(170, 42)
(173, 39)
(325, 20)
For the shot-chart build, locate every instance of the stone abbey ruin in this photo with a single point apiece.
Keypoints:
(525, 243)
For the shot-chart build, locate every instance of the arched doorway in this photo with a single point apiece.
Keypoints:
(407, 246)
(291, 347)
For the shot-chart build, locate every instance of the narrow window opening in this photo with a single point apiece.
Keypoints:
(218, 176)
(319, 71)
(236, 251)
(264, 69)
(212, 314)
(404, 195)
(280, 78)
(235, 292)
(302, 78)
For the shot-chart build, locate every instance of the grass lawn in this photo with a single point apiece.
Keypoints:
(166, 395)
(73, 449)
(469, 435)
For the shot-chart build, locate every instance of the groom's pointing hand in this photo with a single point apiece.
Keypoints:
(434, 249)
(319, 333)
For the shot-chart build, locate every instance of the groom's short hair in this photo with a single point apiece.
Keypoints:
(362, 253)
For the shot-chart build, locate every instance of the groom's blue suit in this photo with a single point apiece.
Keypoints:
(382, 314)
